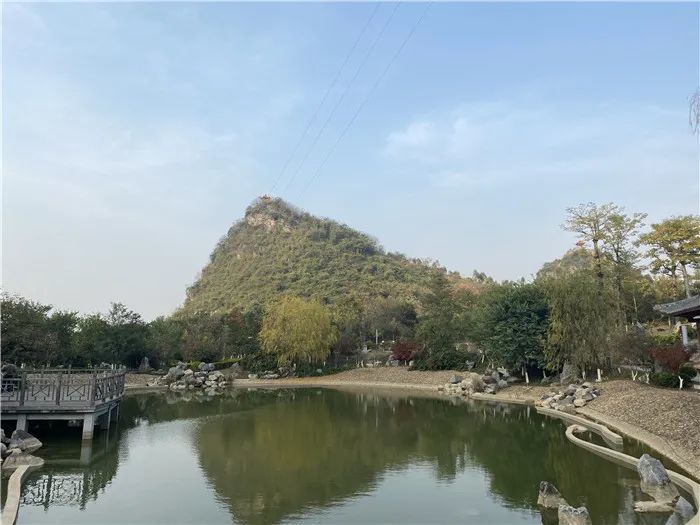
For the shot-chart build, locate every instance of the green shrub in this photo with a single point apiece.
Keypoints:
(193, 365)
(664, 379)
(687, 373)
(665, 338)
(670, 380)
(258, 363)
(225, 363)
(447, 359)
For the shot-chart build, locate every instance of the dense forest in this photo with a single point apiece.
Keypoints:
(283, 287)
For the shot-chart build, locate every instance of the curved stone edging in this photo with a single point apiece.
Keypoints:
(603, 431)
(14, 491)
(650, 439)
(687, 484)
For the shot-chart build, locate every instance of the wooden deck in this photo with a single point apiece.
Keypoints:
(90, 395)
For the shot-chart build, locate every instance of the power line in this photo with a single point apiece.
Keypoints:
(323, 100)
(366, 99)
(340, 100)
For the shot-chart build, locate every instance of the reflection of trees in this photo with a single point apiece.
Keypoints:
(311, 451)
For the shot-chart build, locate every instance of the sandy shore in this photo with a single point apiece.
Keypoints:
(666, 420)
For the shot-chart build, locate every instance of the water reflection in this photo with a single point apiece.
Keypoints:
(262, 457)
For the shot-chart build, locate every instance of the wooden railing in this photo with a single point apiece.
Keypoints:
(61, 388)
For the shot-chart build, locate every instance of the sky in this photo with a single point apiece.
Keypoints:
(135, 134)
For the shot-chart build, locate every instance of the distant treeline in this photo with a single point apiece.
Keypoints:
(586, 309)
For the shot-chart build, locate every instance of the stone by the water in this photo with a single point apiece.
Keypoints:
(549, 497)
(19, 458)
(655, 481)
(24, 441)
(569, 515)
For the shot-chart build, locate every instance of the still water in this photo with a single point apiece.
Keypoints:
(320, 456)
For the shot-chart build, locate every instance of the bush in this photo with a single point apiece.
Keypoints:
(670, 380)
(664, 339)
(404, 350)
(448, 359)
(258, 363)
(670, 359)
(687, 373)
(664, 379)
(225, 363)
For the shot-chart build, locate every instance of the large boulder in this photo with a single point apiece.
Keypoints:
(549, 497)
(236, 371)
(569, 373)
(473, 384)
(174, 373)
(3, 437)
(655, 481)
(456, 379)
(3, 450)
(24, 441)
(17, 458)
(206, 367)
(569, 515)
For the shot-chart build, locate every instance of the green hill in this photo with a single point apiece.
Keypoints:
(277, 249)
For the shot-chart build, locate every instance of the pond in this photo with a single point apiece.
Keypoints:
(320, 456)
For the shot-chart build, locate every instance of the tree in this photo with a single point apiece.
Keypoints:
(674, 244)
(581, 321)
(440, 328)
(297, 331)
(619, 238)
(591, 222)
(511, 323)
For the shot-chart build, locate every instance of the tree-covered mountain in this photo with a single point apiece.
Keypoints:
(278, 249)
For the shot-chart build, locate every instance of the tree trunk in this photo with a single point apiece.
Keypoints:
(686, 280)
(598, 263)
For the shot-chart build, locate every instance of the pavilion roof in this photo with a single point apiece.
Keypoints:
(684, 307)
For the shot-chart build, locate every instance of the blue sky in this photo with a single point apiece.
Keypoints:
(135, 134)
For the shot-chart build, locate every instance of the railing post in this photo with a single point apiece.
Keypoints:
(94, 386)
(58, 389)
(22, 387)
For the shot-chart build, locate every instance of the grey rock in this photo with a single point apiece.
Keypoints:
(568, 400)
(579, 403)
(206, 367)
(549, 497)
(270, 376)
(174, 373)
(655, 481)
(189, 372)
(4, 438)
(684, 509)
(19, 458)
(252, 376)
(456, 379)
(24, 441)
(653, 506)
(488, 379)
(588, 396)
(3, 450)
(502, 384)
(501, 370)
(568, 374)
(569, 515)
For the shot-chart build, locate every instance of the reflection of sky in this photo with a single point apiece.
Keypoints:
(414, 496)
(159, 481)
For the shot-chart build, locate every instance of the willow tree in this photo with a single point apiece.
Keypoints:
(296, 330)
(581, 321)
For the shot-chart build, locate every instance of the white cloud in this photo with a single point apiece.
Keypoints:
(496, 143)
